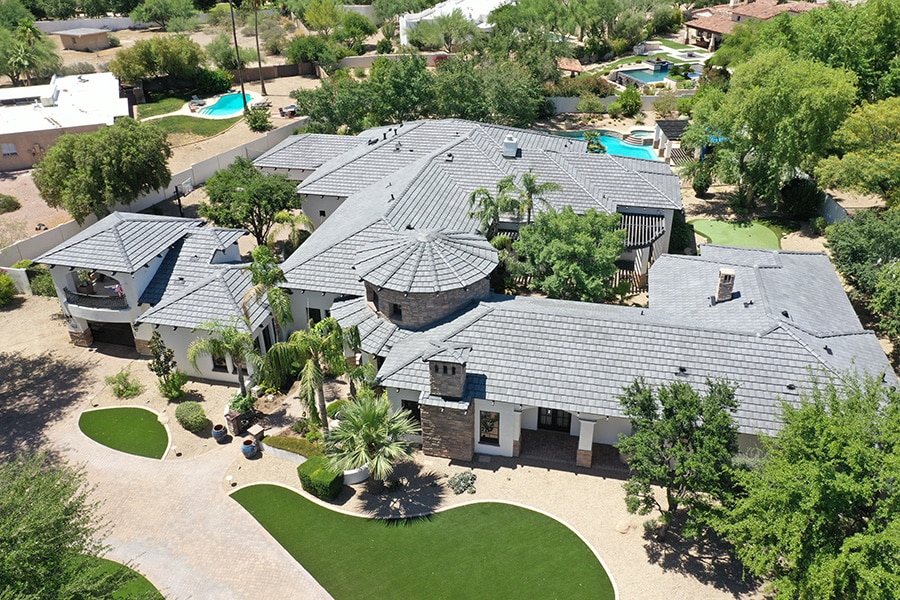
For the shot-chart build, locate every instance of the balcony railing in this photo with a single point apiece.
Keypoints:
(94, 301)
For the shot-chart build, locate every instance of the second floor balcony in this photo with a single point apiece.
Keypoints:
(109, 302)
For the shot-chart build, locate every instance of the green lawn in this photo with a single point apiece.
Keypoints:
(745, 235)
(486, 550)
(674, 45)
(160, 107)
(132, 430)
(194, 125)
(139, 587)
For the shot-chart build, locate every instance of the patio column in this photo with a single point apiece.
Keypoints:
(585, 454)
(668, 155)
(517, 430)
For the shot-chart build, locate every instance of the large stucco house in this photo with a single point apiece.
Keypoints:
(398, 255)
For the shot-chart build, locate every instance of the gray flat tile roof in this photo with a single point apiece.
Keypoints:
(307, 151)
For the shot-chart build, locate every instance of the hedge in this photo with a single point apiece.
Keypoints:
(319, 479)
(297, 445)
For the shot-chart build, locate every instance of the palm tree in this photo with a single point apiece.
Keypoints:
(265, 277)
(237, 55)
(262, 82)
(320, 349)
(530, 190)
(227, 340)
(369, 434)
(361, 376)
(490, 207)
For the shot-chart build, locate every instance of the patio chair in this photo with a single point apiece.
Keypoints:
(196, 101)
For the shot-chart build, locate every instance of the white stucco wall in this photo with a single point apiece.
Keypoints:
(306, 299)
(314, 206)
(507, 432)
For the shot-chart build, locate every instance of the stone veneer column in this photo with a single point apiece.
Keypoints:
(585, 455)
(517, 431)
(448, 432)
(81, 338)
(142, 347)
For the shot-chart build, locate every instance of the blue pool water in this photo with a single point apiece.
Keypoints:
(229, 105)
(617, 147)
(648, 76)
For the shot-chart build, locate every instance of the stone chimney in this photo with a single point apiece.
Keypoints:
(726, 285)
(510, 147)
(447, 372)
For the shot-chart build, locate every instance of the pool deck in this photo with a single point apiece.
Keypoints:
(186, 109)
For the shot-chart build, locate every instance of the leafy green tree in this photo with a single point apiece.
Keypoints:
(778, 116)
(242, 196)
(569, 256)
(401, 89)
(222, 340)
(94, 8)
(27, 54)
(14, 13)
(59, 9)
(323, 16)
(459, 89)
(320, 349)
(48, 526)
(630, 101)
(370, 434)
(818, 518)
(514, 96)
(221, 52)
(162, 11)
(123, 7)
(339, 103)
(862, 244)
(265, 277)
(446, 31)
(522, 33)
(353, 30)
(163, 365)
(681, 441)
(868, 152)
(177, 56)
(886, 299)
(311, 48)
(92, 172)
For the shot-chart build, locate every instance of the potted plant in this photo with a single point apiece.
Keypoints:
(84, 285)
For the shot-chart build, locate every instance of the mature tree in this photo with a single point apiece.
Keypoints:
(162, 11)
(868, 152)
(532, 33)
(312, 48)
(26, 54)
(386, 10)
(527, 191)
(819, 516)
(89, 173)
(569, 256)
(401, 89)
(681, 441)
(59, 9)
(630, 100)
(778, 116)
(14, 13)
(323, 16)
(94, 9)
(353, 30)
(222, 54)
(488, 207)
(320, 349)
(514, 96)
(886, 299)
(862, 244)
(265, 277)
(371, 434)
(459, 89)
(222, 340)
(48, 525)
(177, 56)
(445, 31)
(242, 196)
(339, 103)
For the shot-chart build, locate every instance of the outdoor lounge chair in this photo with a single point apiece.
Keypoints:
(196, 101)
(261, 104)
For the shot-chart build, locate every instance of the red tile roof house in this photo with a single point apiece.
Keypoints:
(712, 23)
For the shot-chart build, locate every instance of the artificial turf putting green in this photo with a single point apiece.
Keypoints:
(744, 235)
(138, 587)
(485, 550)
(132, 430)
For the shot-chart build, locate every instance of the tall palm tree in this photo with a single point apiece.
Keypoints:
(262, 82)
(530, 190)
(265, 277)
(320, 349)
(237, 55)
(227, 340)
(369, 434)
(489, 207)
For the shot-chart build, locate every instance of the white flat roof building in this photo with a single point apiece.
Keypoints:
(476, 11)
(32, 117)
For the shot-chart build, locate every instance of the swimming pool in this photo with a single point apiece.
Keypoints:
(648, 76)
(229, 105)
(615, 146)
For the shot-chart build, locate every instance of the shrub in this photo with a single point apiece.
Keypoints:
(620, 46)
(258, 119)
(39, 278)
(218, 15)
(113, 41)
(630, 99)
(172, 388)
(8, 204)
(320, 479)
(300, 446)
(191, 416)
(702, 179)
(665, 104)
(313, 48)
(334, 409)
(242, 402)
(818, 225)
(213, 81)
(359, 73)
(614, 109)
(274, 44)
(801, 198)
(463, 482)
(682, 234)
(302, 426)
(123, 386)
(81, 68)
(569, 87)
(590, 104)
(384, 46)
(314, 435)
(685, 105)
(7, 289)
(179, 24)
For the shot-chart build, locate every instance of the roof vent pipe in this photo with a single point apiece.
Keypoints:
(510, 147)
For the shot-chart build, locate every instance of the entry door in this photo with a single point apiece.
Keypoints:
(555, 420)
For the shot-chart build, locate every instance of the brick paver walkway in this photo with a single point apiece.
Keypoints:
(174, 522)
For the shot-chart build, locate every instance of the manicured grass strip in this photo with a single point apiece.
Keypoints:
(132, 430)
(674, 45)
(487, 550)
(744, 235)
(194, 125)
(138, 587)
(160, 107)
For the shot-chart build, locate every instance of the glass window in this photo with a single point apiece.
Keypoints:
(396, 311)
(490, 428)
(314, 315)
(8, 149)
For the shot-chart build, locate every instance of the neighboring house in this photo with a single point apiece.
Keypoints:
(667, 137)
(32, 117)
(476, 11)
(710, 24)
(130, 274)
(421, 174)
(85, 39)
